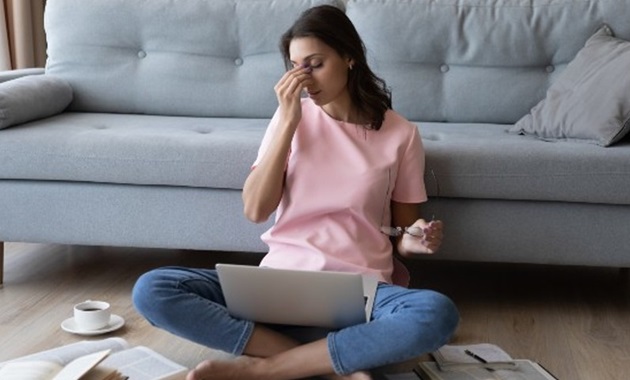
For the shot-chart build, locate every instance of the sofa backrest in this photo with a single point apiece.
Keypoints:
(477, 60)
(445, 60)
(215, 58)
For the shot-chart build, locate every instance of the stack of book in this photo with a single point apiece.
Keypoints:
(472, 362)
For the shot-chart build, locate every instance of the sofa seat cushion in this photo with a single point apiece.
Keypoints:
(480, 161)
(484, 161)
(133, 149)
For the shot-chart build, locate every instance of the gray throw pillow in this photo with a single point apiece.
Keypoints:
(32, 97)
(590, 100)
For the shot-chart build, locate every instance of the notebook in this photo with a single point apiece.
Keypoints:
(295, 297)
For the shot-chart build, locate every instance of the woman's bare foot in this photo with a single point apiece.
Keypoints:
(247, 367)
(240, 368)
(354, 376)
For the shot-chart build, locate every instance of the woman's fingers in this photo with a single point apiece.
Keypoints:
(288, 91)
(429, 241)
(293, 82)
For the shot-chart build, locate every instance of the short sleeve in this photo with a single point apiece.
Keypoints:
(266, 141)
(409, 186)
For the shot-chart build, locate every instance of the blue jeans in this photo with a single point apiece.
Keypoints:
(405, 322)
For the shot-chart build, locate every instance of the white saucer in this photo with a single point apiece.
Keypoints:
(115, 322)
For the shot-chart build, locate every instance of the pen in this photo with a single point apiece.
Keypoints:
(472, 354)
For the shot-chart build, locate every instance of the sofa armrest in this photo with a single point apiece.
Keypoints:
(18, 73)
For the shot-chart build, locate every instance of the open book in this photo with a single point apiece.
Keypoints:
(474, 362)
(478, 361)
(107, 359)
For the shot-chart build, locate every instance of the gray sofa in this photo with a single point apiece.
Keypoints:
(155, 110)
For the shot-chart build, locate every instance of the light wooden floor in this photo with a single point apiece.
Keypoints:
(574, 320)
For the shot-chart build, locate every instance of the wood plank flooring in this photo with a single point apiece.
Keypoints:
(574, 320)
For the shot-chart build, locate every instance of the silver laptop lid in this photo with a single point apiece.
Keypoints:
(293, 297)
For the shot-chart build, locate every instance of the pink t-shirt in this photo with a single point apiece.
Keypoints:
(340, 181)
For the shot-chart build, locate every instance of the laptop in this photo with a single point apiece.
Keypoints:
(296, 297)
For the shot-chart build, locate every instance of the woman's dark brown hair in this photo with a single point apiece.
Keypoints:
(330, 25)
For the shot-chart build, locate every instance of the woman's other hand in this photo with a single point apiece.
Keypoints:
(422, 237)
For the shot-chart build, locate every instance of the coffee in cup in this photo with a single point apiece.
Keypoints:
(92, 315)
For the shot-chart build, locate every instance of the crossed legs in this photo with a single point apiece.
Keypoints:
(189, 303)
(271, 355)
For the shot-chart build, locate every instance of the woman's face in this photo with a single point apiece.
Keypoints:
(330, 70)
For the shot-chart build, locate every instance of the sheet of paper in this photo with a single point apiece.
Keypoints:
(65, 354)
(141, 363)
(35, 370)
(523, 370)
(80, 366)
(457, 353)
(401, 376)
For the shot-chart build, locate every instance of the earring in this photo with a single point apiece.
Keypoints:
(350, 66)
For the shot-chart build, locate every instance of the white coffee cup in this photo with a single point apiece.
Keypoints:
(92, 315)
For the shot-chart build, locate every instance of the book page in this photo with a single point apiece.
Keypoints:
(142, 363)
(430, 371)
(34, 370)
(523, 370)
(103, 373)
(65, 354)
(401, 376)
(454, 356)
(457, 354)
(80, 366)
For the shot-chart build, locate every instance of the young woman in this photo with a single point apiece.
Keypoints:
(342, 172)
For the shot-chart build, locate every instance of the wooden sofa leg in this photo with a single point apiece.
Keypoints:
(624, 277)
